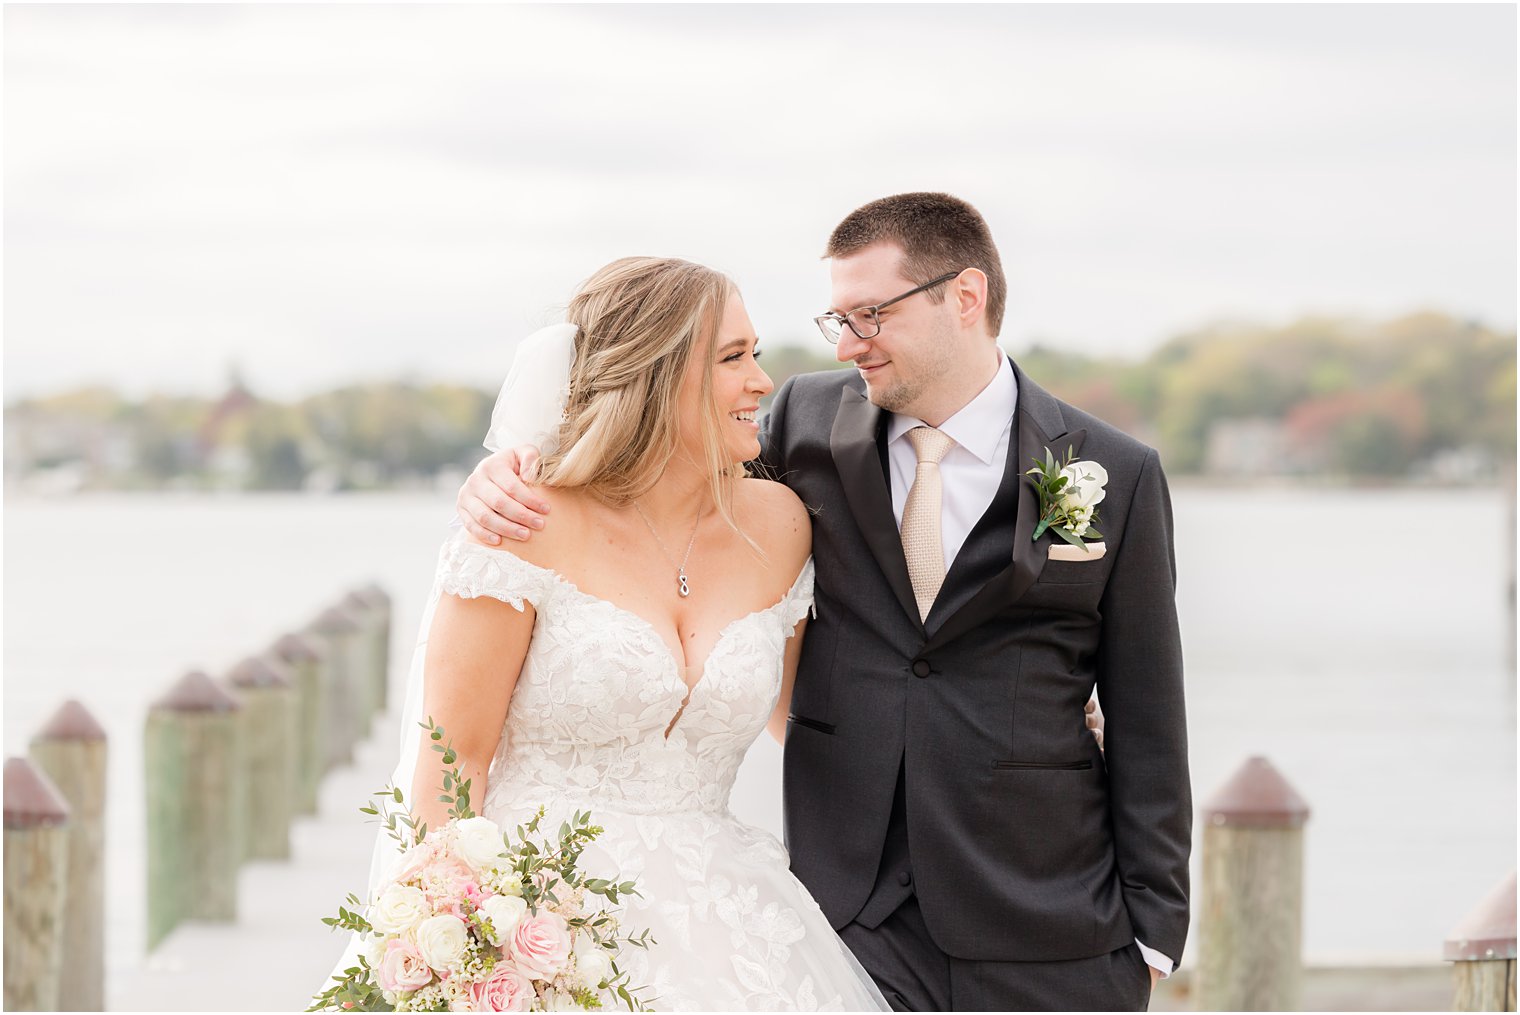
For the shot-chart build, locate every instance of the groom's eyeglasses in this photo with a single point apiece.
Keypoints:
(866, 321)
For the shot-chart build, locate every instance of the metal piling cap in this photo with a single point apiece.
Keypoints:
(296, 648)
(72, 721)
(335, 620)
(1488, 932)
(196, 692)
(31, 799)
(1257, 796)
(259, 671)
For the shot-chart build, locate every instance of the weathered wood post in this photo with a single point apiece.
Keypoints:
(380, 602)
(71, 751)
(366, 688)
(338, 631)
(1483, 949)
(305, 659)
(268, 718)
(1508, 486)
(36, 873)
(1251, 923)
(191, 759)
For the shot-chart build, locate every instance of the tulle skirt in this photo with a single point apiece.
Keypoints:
(734, 930)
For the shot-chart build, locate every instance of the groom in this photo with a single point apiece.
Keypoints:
(943, 801)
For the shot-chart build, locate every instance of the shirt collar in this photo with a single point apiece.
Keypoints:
(980, 423)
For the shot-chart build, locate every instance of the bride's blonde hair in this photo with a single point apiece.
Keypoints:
(641, 321)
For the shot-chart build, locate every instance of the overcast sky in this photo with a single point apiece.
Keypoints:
(339, 193)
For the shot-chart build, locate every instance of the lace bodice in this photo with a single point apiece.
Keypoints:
(599, 689)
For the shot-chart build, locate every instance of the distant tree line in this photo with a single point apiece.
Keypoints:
(1319, 396)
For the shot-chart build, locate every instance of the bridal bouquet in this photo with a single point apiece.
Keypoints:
(472, 919)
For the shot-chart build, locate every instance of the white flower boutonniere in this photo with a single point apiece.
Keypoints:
(1069, 496)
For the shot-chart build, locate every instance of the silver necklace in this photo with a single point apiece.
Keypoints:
(684, 583)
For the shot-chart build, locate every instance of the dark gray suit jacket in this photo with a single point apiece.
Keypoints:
(1028, 843)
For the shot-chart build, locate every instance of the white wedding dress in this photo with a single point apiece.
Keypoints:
(586, 730)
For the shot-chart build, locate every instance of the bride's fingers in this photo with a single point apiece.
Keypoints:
(496, 482)
(471, 510)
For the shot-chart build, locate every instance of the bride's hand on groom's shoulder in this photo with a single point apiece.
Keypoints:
(495, 501)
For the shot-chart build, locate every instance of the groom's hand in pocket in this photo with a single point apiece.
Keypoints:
(496, 500)
(1095, 719)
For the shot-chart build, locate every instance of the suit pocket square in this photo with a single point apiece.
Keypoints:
(1079, 554)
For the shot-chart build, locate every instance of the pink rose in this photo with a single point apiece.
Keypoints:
(444, 881)
(473, 895)
(507, 989)
(403, 967)
(541, 945)
(411, 863)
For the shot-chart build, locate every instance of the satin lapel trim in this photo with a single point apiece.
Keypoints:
(857, 458)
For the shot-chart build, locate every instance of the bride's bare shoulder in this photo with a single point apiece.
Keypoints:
(564, 529)
(776, 518)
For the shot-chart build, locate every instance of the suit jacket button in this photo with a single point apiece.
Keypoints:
(905, 879)
(920, 667)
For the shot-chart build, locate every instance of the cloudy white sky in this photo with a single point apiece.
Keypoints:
(330, 193)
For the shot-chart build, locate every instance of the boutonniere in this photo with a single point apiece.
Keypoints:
(1069, 496)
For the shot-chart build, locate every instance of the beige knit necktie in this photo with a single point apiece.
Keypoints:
(922, 547)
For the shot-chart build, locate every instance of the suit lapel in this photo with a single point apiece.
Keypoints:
(858, 459)
(985, 552)
(1040, 425)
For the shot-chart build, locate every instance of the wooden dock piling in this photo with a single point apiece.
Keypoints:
(1483, 950)
(380, 602)
(305, 658)
(36, 878)
(366, 688)
(71, 750)
(268, 718)
(338, 632)
(1251, 920)
(192, 767)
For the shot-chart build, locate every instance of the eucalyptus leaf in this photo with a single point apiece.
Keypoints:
(1074, 540)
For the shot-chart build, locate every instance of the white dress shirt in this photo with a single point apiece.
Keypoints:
(970, 472)
(970, 475)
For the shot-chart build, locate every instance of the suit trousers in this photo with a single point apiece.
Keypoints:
(915, 975)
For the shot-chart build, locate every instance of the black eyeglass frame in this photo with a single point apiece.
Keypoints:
(844, 319)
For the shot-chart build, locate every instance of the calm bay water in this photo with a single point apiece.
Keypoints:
(1351, 636)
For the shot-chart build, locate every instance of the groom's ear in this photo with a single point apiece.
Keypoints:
(969, 290)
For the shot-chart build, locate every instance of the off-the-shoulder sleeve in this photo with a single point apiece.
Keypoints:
(470, 570)
(799, 601)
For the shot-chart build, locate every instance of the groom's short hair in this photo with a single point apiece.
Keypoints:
(938, 233)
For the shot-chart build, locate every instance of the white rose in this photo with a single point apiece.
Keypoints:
(442, 940)
(559, 1000)
(591, 960)
(399, 909)
(504, 912)
(477, 841)
(374, 950)
(1084, 484)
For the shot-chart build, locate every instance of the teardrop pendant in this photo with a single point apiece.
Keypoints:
(685, 588)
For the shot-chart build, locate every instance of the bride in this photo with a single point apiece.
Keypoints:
(625, 659)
